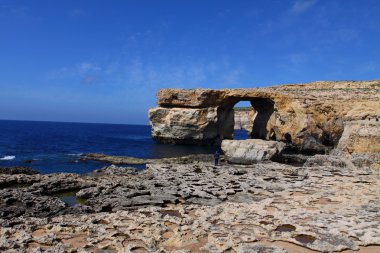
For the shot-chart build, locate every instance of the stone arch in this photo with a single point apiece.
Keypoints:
(263, 109)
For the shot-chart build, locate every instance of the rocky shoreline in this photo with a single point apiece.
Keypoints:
(188, 205)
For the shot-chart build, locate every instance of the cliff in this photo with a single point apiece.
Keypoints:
(312, 116)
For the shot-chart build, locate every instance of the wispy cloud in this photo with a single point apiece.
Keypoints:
(87, 72)
(139, 74)
(301, 6)
(88, 67)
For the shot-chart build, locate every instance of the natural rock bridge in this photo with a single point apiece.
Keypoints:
(313, 116)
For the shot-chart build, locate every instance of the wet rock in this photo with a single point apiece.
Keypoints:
(18, 170)
(53, 183)
(17, 202)
(118, 160)
(112, 159)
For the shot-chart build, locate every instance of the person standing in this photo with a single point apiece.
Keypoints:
(216, 158)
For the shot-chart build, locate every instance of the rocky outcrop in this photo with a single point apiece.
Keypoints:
(311, 116)
(251, 151)
(18, 170)
(120, 160)
(324, 206)
(36, 195)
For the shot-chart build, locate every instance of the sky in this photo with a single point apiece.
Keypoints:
(104, 61)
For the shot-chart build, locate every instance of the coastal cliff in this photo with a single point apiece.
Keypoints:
(311, 116)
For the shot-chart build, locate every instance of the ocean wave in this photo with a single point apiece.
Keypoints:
(75, 154)
(8, 157)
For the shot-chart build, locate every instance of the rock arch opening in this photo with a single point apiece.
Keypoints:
(243, 114)
(258, 113)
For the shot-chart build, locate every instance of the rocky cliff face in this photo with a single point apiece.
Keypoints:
(311, 116)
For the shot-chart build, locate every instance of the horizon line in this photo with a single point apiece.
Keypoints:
(74, 122)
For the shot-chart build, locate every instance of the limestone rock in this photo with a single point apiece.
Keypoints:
(251, 151)
(311, 116)
(266, 207)
(184, 125)
(198, 98)
(362, 136)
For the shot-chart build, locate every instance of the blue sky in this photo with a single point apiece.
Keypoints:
(103, 61)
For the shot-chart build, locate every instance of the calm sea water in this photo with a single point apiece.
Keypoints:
(56, 147)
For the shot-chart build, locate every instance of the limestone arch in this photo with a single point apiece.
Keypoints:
(263, 109)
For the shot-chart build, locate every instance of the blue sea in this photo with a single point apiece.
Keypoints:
(52, 147)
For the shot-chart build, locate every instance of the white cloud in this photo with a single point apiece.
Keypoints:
(301, 6)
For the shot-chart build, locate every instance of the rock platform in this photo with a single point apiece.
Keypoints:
(327, 205)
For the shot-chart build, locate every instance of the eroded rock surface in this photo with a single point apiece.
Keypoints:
(326, 206)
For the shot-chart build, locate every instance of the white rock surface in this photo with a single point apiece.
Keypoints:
(184, 125)
(251, 151)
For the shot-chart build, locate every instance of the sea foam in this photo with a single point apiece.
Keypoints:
(8, 157)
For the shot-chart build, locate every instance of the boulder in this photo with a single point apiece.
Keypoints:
(251, 151)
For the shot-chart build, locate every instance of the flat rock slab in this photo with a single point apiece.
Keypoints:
(267, 207)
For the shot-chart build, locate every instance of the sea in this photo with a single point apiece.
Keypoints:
(54, 147)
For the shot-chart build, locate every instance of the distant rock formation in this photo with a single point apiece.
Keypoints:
(244, 118)
(312, 116)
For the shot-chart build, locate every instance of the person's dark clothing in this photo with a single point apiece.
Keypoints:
(216, 158)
